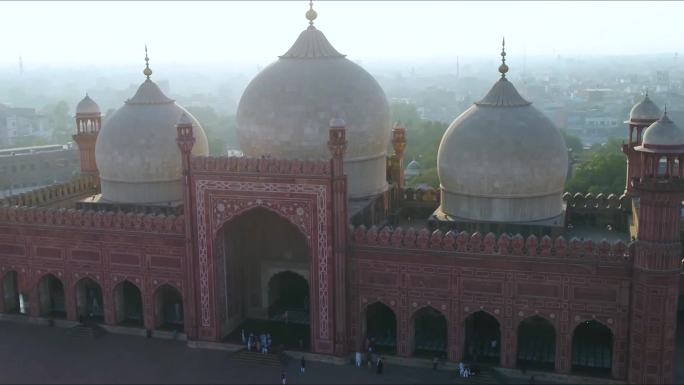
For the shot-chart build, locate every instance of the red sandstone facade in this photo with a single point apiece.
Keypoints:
(630, 289)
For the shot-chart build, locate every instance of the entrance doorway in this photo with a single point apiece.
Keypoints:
(482, 338)
(13, 300)
(89, 301)
(265, 266)
(381, 328)
(51, 297)
(430, 333)
(592, 348)
(168, 309)
(536, 344)
(128, 304)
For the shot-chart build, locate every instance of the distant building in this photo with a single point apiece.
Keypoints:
(21, 123)
(30, 167)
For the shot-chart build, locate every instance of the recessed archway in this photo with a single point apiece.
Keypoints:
(89, 302)
(51, 297)
(13, 300)
(168, 309)
(430, 333)
(381, 328)
(128, 308)
(536, 344)
(482, 338)
(264, 266)
(592, 348)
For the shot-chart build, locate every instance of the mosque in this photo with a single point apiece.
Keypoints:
(314, 230)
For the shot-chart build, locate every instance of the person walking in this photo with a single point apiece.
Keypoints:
(302, 366)
(283, 378)
(380, 365)
(358, 359)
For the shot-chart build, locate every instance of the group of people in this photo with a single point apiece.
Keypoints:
(260, 343)
(370, 361)
(465, 371)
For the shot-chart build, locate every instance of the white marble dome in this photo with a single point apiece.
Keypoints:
(662, 136)
(502, 160)
(645, 110)
(87, 106)
(285, 112)
(136, 151)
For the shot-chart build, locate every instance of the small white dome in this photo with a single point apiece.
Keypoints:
(136, 151)
(87, 106)
(663, 136)
(645, 110)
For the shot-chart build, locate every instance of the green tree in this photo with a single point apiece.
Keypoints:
(61, 121)
(604, 172)
(220, 129)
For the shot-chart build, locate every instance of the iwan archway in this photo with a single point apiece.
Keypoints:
(263, 278)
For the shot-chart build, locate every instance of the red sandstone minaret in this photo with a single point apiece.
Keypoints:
(399, 144)
(337, 144)
(88, 121)
(657, 253)
(642, 115)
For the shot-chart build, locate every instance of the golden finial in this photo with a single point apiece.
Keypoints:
(311, 14)
(147, 71)
(503, 68)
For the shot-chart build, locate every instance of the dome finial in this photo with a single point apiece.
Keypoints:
(147, 71)
(311, 14)
(503, 68)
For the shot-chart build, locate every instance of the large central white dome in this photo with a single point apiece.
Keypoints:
(285, 110)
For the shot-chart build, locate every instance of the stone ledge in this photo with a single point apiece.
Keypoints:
(133, 331)
(214, 345)
(541, 377)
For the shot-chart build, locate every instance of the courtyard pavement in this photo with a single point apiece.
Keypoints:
(39, 354)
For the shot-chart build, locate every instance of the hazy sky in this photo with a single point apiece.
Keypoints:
(100, 33)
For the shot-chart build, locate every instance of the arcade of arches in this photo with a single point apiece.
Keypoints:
(536, 337)
(264, 279)
(52, 299)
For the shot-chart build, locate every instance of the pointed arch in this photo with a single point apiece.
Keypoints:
(482, 340)
(89, 300)
(536, 343)
(592, 348)
(168, 308)
(430, 336)
(380, 327)
(128, 304)
(51, 296)
(13, 301)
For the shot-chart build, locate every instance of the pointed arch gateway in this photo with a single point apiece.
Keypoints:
(89, 303)
(13, 300)
(51, 297)
(482, 341)
(264, 278)
(536, 344)
(592, 348)
(168, 309)
(380, 328)
(429, 333)
(128, 308)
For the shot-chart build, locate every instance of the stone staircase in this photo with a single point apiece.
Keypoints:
(86, 331)
(256, 358)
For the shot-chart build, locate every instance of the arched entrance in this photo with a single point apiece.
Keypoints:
(381, 328)
(592, 348)
(536, 344)
(13, 300)
(51, 297)
(89, 301)
(430, 333)
(168, 309)
(128, 308)
(482, 338)
(264, 266)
